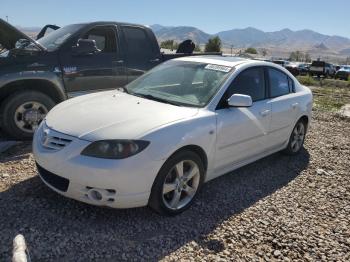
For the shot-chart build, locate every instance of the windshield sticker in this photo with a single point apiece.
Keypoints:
(218, 68)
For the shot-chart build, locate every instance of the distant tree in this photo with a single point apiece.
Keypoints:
(264, 52)
(197, 48)
(213, 45)
(307, 58)
(347, 61)
(169, 44)
(292, 56)
(299, 56)
(251, 50)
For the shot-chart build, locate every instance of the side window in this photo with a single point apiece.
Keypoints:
(250, 82)
(137, 42)
(104, 37)
(279, 84)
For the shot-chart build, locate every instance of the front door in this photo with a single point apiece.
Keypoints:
(242, 131)
(103, 70)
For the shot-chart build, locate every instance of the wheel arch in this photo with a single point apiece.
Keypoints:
(305, 120)
(196, 149)
(40, 85)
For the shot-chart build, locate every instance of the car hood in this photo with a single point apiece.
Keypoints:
(113, 115)
(9, 35)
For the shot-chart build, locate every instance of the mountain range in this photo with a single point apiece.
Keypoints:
(303, 40)
(278, 43)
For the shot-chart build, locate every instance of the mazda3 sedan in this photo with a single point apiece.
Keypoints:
(178, 126)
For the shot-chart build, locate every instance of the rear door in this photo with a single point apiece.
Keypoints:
(242, 131)
(103, 70)
(139, 52)
(284, 105)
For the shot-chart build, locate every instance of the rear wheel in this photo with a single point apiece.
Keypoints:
(177, 183)
(22, 113)
(296, 139)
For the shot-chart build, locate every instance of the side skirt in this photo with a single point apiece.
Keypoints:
(234, 166)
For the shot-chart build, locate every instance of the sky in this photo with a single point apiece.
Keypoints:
(330, 17)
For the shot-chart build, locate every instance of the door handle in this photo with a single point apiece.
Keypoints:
(265, 112)
(294, 105)
(154, 60)
(119, 61)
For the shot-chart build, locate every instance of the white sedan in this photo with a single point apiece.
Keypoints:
(183, 123)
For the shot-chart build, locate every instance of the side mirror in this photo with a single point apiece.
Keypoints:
(238, 100)
(85, 47)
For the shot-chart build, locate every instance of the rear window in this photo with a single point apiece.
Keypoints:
(138, 45)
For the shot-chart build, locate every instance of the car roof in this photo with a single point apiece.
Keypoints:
(98, 23)
(218, 60)
(231, 61)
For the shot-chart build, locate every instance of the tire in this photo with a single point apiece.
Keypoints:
(18, 107)
(162, 203)
(296, 139)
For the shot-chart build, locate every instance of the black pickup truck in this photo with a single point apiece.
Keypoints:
(70, 61)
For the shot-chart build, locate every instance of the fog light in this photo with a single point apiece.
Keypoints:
(95, 195)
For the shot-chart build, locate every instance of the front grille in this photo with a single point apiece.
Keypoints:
(53, 140)
(53, 180)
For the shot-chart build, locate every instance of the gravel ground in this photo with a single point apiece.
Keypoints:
(279, 208)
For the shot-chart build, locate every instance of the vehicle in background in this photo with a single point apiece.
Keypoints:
(297, 68)
(70, 61)
(280, 62)
(321, 68)
(343, 73)
(185, 122)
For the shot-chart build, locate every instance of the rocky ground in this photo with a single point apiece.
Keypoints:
(279, 208)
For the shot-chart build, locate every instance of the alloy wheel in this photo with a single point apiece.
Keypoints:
(181, 184)
(298, 137)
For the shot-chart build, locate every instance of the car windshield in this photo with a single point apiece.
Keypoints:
(56, 38)
(181, 83)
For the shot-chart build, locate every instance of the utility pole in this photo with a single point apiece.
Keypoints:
(7, 19)
(231, 49)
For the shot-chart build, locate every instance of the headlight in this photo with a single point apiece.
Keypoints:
(115, 149)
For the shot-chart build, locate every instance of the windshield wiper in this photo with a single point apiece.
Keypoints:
(155, 98)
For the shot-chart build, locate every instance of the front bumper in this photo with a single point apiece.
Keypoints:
(122, 183)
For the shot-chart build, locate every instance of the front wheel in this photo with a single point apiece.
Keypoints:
(23, 111)
(296, 139)
(177, 183)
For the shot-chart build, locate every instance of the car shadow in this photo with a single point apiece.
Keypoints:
(16, 152)
(66, 228)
